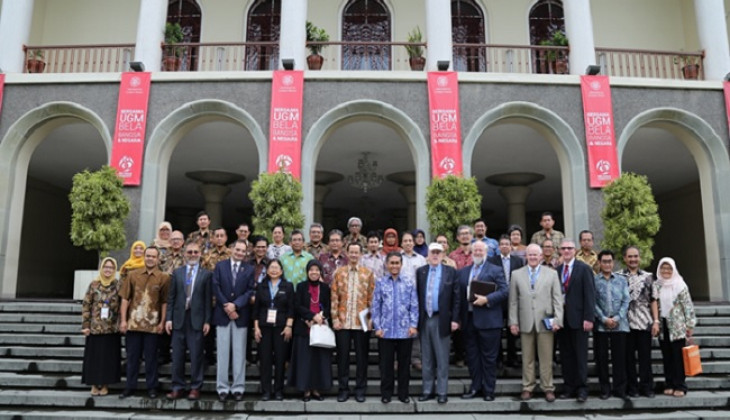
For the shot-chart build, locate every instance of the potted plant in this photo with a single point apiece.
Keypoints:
(99, 209)
(690, 66)
(630, 215)
(173, 35)
(557, 59)
(277, 199)
(315, 34)
(415, 50)
(450, 202)
(34, 63)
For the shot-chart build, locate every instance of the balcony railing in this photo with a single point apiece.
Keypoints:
(499, 58)
(648, 63)
(230, 56)
(107, 58)
(358, 55)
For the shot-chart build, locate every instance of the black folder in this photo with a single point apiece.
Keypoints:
(480, 288)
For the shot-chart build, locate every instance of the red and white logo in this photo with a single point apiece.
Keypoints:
(447, 164)
(287, 80)
(596, 85)
(603, 167)
(442, 81)
(284, 162)
(135, 82)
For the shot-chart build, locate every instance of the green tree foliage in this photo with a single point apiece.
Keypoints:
(277, 199)
(450, 202)
(630, 215)
(98, 210)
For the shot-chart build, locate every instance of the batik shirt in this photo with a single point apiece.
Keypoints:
(215, 256)
(612, 301)
(641, 295)
(352, 292)
(374, 262)
(395, 307)
(330, 264)
(295, 266)
(461, 258)
(146, 292)
(97, 297)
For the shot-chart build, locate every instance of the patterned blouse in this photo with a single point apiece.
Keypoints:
(97, 297)
(395, 307)
(681, 317)
(351, 294)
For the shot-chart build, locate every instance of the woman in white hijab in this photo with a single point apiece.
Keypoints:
(677, 319)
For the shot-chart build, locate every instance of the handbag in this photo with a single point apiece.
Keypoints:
(691, 358)
(321, 336)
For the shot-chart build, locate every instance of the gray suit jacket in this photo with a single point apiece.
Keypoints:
(200, 303)
(527, 307)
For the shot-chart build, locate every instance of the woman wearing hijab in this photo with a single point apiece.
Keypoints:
(162, 240)
(310, 370)
(135, 261)
(421, 247)
(390, 241)
(100, 313)
(677, 319)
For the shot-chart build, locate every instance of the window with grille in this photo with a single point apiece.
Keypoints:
(366, 21)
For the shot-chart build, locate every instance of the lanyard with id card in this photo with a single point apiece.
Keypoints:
(105, 310)
(271, 312)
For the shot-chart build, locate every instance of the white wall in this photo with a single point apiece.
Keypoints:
(70, 22)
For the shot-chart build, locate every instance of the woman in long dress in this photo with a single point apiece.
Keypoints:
(100, 319)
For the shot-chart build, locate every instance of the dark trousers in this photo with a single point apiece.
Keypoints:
(361, 338)
(639, 342)
(616, 341)
(574, 360)
(250, 342)
(272, 352)
(457, 338)
(482, 347)
(209, 345)
(674, 377)
(192, 340)
(389, 348)
(139, 343)
(164, 346)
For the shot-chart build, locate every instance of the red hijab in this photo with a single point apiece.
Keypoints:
(386, 248)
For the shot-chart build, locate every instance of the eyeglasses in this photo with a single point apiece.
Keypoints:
(192, 252)
(564, 248)
(176, 239)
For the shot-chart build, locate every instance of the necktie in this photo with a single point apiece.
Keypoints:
(188, 286)
(506, 267)
(235, 273)
(566, 277)
(429, 291)
(533, 277)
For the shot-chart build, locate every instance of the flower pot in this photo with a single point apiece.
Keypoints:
(314, 61)
(417, 63)
(691, 71)
(35, 65)
(171, 63)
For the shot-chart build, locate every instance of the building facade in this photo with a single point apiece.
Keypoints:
(523, 135)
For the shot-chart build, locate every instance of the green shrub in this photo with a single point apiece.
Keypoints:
(277, 200)
(450, 202)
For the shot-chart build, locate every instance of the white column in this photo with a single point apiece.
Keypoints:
(150, 33)
(213, 194)
(712, 30)
(516, 197)
(409, 192)
(320, 192)
(293, 32)
(579, 29)
(438, 33)
(15, 21)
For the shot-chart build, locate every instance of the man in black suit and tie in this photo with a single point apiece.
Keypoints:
(578, 316)
(439, 315)
(188, 320)
(482, 321)
(509, 263)
(233, 286)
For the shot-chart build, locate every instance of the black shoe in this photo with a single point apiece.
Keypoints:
(306, 397)
(222, 397)
(385, 400)
(633, 394)
(126, 394)
(265, 396)
(566, 396)
(152, 393)
(278, 396)
(360, 398)
(605, 395)
(469, 395)
(405, 400)
(426, 397)
(489, 397)
(238, 396)
(582, 397)
(343, 396)
(317, 397)
(648, 394)
(442, 399)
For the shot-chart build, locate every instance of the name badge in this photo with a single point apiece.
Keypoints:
(105, 312)
(271, 316)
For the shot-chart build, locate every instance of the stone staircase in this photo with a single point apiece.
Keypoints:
(42, 351)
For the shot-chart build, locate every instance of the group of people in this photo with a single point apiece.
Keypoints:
(212, 300)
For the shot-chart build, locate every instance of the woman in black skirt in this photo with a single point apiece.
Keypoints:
(273, 314)
(310, 370)
(100, 319)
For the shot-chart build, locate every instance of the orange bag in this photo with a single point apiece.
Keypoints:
(692, 362)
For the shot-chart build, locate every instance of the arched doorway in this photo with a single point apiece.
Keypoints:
(366, 21)
(688, 172)
(40, 154)
(263, 25)
(206, 135)
(467, 27)
(187, 13)
(556, 140)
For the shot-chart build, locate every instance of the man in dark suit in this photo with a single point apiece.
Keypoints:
(578, 316)
(188, 320)
(509, 263)
(439, 315)
(233, 286)
(482, 321)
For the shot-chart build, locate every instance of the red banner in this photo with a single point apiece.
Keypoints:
(129, 132)
(600, 138)
(285, 130)
(443, 104)
(725, 87)
(2, 86)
